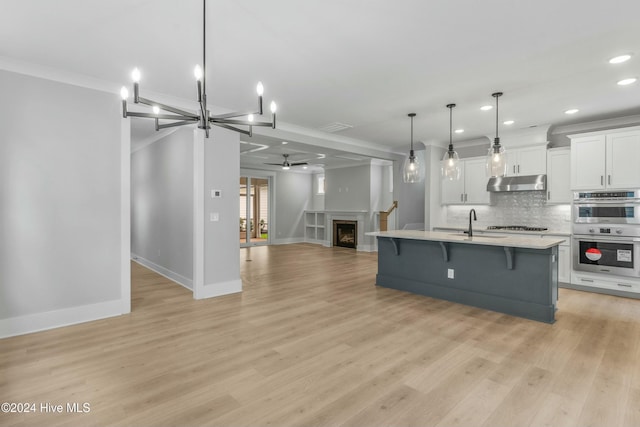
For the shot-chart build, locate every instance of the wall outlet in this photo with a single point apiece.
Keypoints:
(216, 194)
(450, 273)
(214, 216)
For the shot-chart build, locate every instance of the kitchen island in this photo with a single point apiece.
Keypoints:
(512, 275)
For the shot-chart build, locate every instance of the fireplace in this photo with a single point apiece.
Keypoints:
(345, 233)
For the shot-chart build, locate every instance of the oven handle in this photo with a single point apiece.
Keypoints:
(591, 238)
(629, 202)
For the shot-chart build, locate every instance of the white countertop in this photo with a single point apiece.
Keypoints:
(529, 233)
(533, 242)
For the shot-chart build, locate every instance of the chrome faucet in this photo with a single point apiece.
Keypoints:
(470, 231)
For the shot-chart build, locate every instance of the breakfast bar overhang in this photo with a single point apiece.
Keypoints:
(512, 275)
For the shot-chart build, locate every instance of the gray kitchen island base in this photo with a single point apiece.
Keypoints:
(513, 280)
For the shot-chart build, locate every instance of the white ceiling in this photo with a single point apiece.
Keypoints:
(363, 63)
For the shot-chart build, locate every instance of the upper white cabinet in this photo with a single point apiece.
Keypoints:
(527, 161)
(623, 155)
(471, 188)
(605, 160)
(559, 175)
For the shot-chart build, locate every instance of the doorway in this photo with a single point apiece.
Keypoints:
(255, 211)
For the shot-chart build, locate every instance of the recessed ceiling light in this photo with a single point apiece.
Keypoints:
(508, 122)
(619, 59)
(304, 167)
(628, 81)
(486, 107)
(459, 130)
(284, 142)
(572, 111)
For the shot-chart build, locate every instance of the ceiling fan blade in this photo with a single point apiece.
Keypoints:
(299, 164)
(274, 164)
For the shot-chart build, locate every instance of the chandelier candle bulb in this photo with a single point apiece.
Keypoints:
(135, 75)
(197, 72)
(124, 94)
(274, 107)
(260, 91)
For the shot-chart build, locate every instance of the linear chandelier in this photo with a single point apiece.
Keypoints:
(203, 117)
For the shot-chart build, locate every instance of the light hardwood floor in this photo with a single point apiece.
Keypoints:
(311, 341)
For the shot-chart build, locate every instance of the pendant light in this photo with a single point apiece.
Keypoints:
(496, 157)
(450, 165)
(413, 168)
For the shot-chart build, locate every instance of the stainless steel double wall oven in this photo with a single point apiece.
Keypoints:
(606, 232)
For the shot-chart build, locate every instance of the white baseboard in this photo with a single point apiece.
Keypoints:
(218, 289)
(171, 275)
(57, 318)
(288, 241)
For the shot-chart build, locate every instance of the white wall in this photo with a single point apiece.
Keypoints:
(293, 195)
(221, 240)
(61, 199)
(162, 206)
(348, 188)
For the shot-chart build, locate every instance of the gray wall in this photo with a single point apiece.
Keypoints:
(410, 197)
(348, 188)
(60, 197)
(162, 205)
(317, 200)
(293, 196)
(222, 242)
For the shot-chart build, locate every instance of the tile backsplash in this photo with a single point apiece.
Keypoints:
(518, 208)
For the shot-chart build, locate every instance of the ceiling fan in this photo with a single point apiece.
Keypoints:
(286, 165)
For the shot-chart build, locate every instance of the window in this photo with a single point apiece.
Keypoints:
(320, 184)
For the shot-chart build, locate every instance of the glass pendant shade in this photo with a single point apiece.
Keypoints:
(450, 166)
(413, 169)
(496, 161)
(496, 157)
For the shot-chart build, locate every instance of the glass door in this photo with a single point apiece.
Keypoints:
(254, 211)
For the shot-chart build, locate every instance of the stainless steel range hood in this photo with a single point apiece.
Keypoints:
(517, 183)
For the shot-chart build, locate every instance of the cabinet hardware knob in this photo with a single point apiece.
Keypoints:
(609, 180)
(601, 179)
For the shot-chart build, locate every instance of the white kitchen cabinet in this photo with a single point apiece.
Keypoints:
(527, 161)
(606, 284)
(564, 258)
(605, 160)
(559, 176)
(471, 188)
(623, 153)
(452, 191)
(564, 263)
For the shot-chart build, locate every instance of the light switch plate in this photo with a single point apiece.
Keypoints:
(214, 216)
(450, 273)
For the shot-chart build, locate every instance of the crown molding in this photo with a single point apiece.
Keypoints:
(616, 122)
